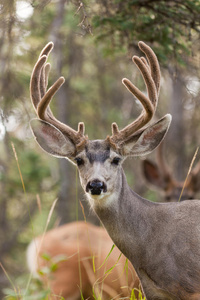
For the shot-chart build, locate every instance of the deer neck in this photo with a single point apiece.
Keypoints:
(128, 209)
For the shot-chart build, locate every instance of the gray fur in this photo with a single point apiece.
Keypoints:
(160, 240)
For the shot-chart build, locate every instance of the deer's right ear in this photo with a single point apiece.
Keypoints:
(147, 139)
(52, 139)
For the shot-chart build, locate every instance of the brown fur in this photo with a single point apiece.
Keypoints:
(79, 243)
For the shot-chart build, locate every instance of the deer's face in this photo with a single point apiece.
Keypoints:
(99, 169)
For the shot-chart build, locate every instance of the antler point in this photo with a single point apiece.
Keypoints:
(50, 45)
(141, 44)
(43, 58)
(115, 129)
(81, 128)
(136, 58)
(169, 117)
(62, 79)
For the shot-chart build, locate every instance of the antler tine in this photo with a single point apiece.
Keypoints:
(43, 87)
(153, 63)
(44, 79)
(46, 99)
(41, 97)
(151, 74)
(35, 82)
(45, 69)
(145, 62)
(47, 49)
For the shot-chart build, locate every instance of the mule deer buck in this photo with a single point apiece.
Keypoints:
(161, 240)
(85, 263)
(161, 177)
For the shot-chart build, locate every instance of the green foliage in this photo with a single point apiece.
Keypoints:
(140, 296)
(34, 294)
(35, 291)
(34, 171)
(167, 24)
(52, 263)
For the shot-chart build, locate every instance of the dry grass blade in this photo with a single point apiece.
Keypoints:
(113, 246)
(189, 171)
(39, 203)
(50, 214)
(8, 277)
(18, 166)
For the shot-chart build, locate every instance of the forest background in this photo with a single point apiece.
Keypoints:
(94, 42)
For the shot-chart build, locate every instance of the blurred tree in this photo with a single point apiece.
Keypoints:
(64, 56)
(168, 24)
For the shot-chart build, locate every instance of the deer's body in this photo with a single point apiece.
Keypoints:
(84, 249)
(162, 241)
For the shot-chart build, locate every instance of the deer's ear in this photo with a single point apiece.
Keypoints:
(148, 139)
(51, 139)
(152, 174)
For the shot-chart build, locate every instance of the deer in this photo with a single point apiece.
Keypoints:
(83, 255)
(161, 177)
(161, 240)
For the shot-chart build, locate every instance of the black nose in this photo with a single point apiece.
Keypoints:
(96, 187)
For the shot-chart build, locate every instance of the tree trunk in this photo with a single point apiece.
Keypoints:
(62, 104)
(177, 130)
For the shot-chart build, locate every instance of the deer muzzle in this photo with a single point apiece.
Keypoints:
(96, 187)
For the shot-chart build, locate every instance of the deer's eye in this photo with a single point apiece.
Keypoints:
(116, 161)
(79, 161)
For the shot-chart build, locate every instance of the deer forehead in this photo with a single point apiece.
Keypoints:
(98, 151)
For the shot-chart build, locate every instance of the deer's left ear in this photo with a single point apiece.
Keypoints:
(51, 139)
(148, 139)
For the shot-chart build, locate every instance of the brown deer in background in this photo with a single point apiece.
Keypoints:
(161, 240)
(83, 250)
(160, 176)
